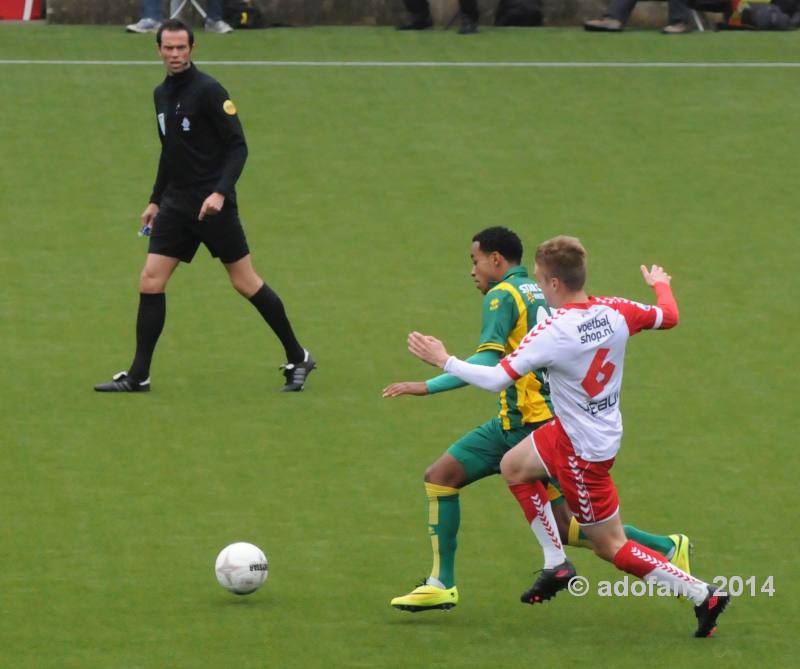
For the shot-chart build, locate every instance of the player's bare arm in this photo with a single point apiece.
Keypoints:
(212, 205)
(428, 349)
(656, 274)
(406, 388)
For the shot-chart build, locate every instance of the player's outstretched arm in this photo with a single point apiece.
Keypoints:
(443, 382)
(428, 349)
(494, 379)
(406, 388)
(432, 351)
(656, 274)
(657, 278)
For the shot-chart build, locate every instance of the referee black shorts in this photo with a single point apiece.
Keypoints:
(177, 233)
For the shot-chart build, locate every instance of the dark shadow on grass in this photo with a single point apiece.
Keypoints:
(429, 618)
(244, 601)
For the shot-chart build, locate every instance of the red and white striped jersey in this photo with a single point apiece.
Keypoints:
(583, 348)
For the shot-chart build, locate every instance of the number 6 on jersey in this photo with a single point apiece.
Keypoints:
(599, 373)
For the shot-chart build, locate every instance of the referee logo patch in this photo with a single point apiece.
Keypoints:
(229, 107)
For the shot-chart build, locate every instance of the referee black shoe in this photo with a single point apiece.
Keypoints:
(708, 612)
(550, 582)
(122, 383)
(296, 374)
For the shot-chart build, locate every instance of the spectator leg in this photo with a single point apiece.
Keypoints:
(469, 8)
(151, 9)
(214, 10)
(679, 12)
(419, 9)
(621, 9)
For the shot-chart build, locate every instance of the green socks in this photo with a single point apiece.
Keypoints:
(656, 542)
(444, 517)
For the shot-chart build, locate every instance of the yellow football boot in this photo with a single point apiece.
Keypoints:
(680, 558)
(683, 549)
(426, 598)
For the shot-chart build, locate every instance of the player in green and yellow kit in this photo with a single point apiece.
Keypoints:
(512, 305)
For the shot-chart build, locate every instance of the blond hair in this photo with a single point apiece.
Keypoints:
(564, 258)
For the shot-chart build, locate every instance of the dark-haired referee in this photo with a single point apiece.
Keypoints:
(203, 151)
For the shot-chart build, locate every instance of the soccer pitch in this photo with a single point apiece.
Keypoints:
(362, 192)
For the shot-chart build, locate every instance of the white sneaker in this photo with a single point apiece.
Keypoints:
(144, 26)
(218, 26)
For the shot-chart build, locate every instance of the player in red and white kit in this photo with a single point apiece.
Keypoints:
(582, 345)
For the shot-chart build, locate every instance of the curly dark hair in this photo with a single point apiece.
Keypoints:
(500, 239)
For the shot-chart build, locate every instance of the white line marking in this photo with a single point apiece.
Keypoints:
(26, 13)
(419, 64)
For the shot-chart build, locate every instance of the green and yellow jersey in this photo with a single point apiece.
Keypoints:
(510, 310)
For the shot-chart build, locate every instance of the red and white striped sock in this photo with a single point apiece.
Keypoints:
(654, 567)
(535, 503)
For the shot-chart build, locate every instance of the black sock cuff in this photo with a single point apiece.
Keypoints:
(264, 291)
(152, 298)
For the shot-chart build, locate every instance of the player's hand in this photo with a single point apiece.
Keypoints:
(212, 205)
(149, 215)
(428, 349)
(654, 275)
(406, 388)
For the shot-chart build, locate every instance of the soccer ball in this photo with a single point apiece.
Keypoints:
(241, 568)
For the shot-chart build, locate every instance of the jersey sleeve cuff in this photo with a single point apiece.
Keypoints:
(506, 365)
(666, 306)
(658, 319)
(491, 346)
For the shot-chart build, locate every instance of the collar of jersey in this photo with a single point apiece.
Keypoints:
(577, 305)
(516, 270)
(181, 78)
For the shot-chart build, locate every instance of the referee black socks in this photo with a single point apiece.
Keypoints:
(153, 312)
(271, 308)
(149, 323)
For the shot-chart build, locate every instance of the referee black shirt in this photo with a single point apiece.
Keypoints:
(203, 149)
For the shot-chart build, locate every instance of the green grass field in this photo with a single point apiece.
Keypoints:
(363, 189)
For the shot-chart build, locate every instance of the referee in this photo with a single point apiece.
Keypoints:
(203, 151)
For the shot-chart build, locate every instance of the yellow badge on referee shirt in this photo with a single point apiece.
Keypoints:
(229, 107)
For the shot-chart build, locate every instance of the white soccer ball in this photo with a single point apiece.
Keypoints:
(241, 568)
